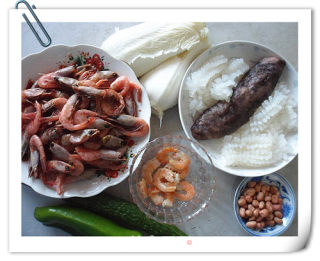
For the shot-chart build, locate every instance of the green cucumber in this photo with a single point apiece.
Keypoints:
(127, 213)
(80, 222)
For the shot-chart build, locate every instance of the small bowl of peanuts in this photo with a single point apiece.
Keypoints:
(265, 206)
(170, 180)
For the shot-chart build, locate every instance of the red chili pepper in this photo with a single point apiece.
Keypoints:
(111, 173)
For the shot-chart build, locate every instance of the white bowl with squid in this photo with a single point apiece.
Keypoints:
(251, 53)
(48, 61)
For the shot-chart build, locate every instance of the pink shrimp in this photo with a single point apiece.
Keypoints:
(180, 160)
(112, 103)
(36, 153)
(59, 166)
(132, 126)
(148, 168)
(186, 187)
(31, 128)
(62, 154)
(104, 78)
(121, 84)
(107, 164)
(164, 154)
(47, 81)
(57, 103)
(164, 180)
(66, 115)
(91, 155)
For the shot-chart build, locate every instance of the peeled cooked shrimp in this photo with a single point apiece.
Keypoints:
(179, 160)
(66, 115)
(187, 188)
(164, 179)
(148, 168)
(142, 188)
(165, 154)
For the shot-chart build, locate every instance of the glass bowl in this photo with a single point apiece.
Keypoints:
(202, 176)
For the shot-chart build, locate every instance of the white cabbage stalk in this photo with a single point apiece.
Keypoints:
(163, 82)
(146, 45)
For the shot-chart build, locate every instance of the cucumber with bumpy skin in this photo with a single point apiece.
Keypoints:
(125, 212)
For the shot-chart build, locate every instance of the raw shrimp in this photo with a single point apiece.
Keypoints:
(91, 155)
(31, 128)
(57, 103)
(112, 142)
(47, 81)
(164, 179)
(36, 153)
(148, 168)
(138, 126)
(59, 166)
(187, 188)
(112, 103)
(62, 154)
(66, 115)
(165, 154)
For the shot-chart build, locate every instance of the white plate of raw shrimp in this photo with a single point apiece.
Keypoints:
(49, 60)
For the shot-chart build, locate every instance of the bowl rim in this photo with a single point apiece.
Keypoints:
(234, 171)
(111, 59)
(243, 183)
(203, 206)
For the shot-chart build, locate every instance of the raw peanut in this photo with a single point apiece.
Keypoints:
(261, 204)
(259, 219)
(278, 214)
(263, 224)
(264, 213)
(280, 200)
(250, 207)
(242, 212)
(259, 225)
(256, 212)
(269, 206)
(270, 217)
(252, 218)
(260, 196)
(274, 199)
(273, 189)
(278, 220)
(277, 193)
(255, 196)
(260, 183)
(255, 203)
(263, 189)
(250, 192)
(251, 184)
(258, 188)
(251, 224)
(276, 207)
(248, 212)
(267, 188)
(248, 199)
(267, 198)
(241, 202)
(271, 223)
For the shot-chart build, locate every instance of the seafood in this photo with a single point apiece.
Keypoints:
(36, 154)
(72, 119)
(188, 190)
(148, 168)
(162, 177)
(224, 118)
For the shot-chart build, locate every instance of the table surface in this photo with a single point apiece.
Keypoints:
(219, 218)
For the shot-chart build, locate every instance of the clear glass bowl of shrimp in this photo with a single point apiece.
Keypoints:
(172, 179)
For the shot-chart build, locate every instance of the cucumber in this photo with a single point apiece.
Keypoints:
(80, 222)
(125, 212)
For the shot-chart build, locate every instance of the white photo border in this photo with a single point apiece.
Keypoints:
(19, 243)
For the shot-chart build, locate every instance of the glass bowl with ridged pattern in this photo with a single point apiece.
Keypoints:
(202, 175)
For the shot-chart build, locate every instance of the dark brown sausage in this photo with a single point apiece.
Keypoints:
(224, 118)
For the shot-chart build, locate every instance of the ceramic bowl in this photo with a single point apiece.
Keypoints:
(49, 60)
(251, 53)
(201, 175)
(288, 205)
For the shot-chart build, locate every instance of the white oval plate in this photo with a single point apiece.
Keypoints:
(251, 53)
(49, 60)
